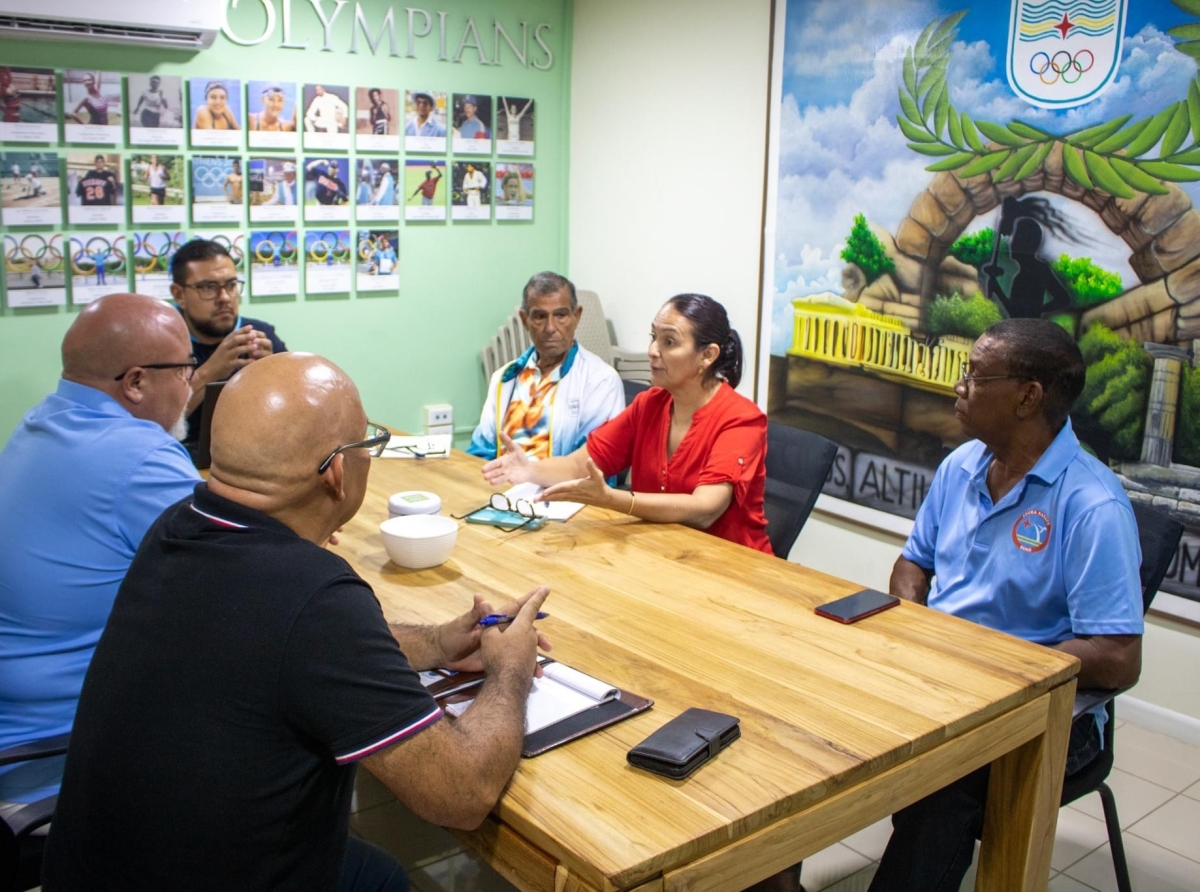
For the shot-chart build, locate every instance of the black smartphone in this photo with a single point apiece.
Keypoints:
(859, 605)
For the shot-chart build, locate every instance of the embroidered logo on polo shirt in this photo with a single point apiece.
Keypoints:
(1031, 532)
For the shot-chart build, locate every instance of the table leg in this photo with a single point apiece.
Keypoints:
(1022, 807)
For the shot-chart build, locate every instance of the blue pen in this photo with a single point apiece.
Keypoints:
(499, 619)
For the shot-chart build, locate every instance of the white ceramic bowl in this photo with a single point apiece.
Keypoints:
(418, 541)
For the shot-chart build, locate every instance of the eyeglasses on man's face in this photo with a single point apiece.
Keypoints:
(966, 375)
(187, 375)
(211, 290)
(376, 441)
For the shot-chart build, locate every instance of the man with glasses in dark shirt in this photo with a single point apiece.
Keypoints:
(83, 476)
(207, 292)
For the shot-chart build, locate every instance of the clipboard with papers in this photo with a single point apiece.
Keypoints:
(564, 704)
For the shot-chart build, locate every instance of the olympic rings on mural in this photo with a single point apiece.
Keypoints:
(278, 244)
(324, 248)
(1061, 65)
(98, 250)
(233, 245)
(366, 246)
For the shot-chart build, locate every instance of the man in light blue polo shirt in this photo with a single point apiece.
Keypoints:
(81, 480)
(1025, 532)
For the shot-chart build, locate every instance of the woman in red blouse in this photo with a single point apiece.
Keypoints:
(696, 447)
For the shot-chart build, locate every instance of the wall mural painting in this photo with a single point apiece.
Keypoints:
(942, 168)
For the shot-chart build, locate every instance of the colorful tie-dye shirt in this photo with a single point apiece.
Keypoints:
(531, 407)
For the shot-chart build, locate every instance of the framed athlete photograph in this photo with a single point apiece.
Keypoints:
(92, 111)
(274, 263)
(377, 266)
(218, 189)
(35, 270)
(271, 122)
(29, 99)
(377, 119)
(326, 194)
(150, 254)
(273, 189)
(471, 190)
(514, 190)
(514, 126)
(424, 121)
(376, 195)
(98, 265)
(156, 110)
(472, 116)
(30, 189)
(426, 197)
(216, 105)
(95, 193)
(328, 255)
(326, 117)
(156, 185)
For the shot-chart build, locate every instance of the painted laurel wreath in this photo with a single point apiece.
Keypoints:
(1106, 156)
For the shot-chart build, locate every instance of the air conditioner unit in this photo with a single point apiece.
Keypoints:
(181, 24)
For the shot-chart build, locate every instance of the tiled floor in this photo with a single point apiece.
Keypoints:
(1156, 782)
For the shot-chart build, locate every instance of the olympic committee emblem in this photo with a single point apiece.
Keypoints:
(1031, 532)
(1063, 53)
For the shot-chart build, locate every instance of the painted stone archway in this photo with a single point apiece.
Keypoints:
(1162, 232)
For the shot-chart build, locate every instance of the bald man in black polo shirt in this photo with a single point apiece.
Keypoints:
(245, 670)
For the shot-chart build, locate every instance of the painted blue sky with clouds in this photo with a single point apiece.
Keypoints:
(841, 152)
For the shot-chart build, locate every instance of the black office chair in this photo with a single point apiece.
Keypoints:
(1159, 537)
(798, 463)
(20, 851)
(633, 388)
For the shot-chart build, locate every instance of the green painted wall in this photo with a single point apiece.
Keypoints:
(457, 281)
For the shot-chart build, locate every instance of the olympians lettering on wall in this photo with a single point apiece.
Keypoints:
(92, 106)
(156, 110)
(376, 119)
(274, 263)
(472, 124)
(514, 125)
(424, 121)
(156, 182)
(327, 261)
(377, 196)
(378, 261)
(471, 195)
(30, 190)
(95, 193)
(426, 194)
(271, 123)
(514, 190)
(35, 270)
(151, 253)
(28, 104)
(218, 189)
(216, 105)
(326, 117)
(98, 265)
(274, 189)
(326, 193)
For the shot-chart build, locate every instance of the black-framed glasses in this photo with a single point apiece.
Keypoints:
(209, 290)
(375, 443)
(498, 501)
(965, 375)
(415, 451)
(190, 366)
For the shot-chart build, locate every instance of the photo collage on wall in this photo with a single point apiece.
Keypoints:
(77, 149)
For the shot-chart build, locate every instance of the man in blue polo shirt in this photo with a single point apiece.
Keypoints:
(1025, 532)
(81, 480)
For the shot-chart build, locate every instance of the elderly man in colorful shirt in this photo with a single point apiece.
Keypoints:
(1025, 532)
(554, 394)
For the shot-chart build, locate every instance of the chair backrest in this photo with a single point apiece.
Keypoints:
(798, 463)
(509, 342)
(633, 388)
(1159, 535)
(592, 332)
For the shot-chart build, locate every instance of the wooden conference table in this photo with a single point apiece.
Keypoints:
(841, 725)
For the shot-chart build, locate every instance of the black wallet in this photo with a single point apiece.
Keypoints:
(685, 743)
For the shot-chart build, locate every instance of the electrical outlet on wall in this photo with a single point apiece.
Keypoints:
(439, 419)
